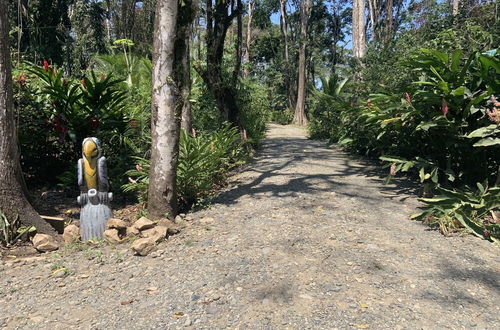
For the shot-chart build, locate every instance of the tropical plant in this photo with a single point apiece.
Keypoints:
(203, 163)
(11, 231)
(475, 211)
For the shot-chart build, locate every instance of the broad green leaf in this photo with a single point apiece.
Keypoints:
(487, 142)
(458, 91)
(484, 131)
(455, 61)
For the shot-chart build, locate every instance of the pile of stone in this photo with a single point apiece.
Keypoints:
(144, 233)
(147, 232)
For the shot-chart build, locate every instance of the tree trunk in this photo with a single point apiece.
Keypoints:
(165, 115)
(455, 7)
(187, 117)
(300, 114)
(218, 21)
(358, 28)
(246, 54)
(289, 81)
(13, 201)
(239, 41)
(390, 24)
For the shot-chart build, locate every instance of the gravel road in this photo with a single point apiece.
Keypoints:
(306, 237)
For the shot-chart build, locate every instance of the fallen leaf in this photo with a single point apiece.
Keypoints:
(362, 305)
(178, 315)
(127, 302)
(362, 326)
(59, 270)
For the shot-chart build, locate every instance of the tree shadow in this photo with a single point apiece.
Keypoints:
(279, 154)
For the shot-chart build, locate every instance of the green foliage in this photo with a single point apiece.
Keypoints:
(464, 208)
(203, 163)
(11, 231)
(254, 110)
(438, 121)
(326, 105)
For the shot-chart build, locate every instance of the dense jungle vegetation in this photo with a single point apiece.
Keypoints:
(414, 83)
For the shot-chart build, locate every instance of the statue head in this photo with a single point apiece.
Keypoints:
(91, 148)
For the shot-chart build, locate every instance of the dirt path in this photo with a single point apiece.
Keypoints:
(305, 238)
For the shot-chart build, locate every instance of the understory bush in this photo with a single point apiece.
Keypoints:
(444, 127)
(56, 112)
(204, 161)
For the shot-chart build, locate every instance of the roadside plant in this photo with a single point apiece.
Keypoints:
(204, 160)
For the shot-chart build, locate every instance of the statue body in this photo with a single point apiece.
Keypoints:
(94, 196)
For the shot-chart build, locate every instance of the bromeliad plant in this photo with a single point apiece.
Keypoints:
(78, 109)
(476, 211)
(444, 129)
(204, 161)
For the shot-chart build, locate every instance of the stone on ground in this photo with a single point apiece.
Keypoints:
(71, 234)
(45, 243)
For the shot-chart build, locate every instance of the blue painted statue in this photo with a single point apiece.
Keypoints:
(94, 196)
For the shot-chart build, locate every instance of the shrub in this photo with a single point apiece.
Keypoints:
(203, 163)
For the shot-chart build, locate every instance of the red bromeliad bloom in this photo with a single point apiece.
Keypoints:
(59, 125)
(407, 97)
(138, 167)
(94, 122)
(444, 107)
(45, 65)
(83, 84)
(103, 76)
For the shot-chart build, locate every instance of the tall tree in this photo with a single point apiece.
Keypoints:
(171, 29)
(220, 15)
(239, 41)
(358, 29)
(187, 116)
(289, 81)
(300, 114)
(13, 202)
(455, 5)
(248, 42)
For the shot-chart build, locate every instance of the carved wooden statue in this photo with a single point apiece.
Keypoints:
(94, 196)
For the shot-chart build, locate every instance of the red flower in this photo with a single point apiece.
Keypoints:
(45, 65)
(83, 83)
(407, 97)
(103, 76)
(94, 122)
(444, 107)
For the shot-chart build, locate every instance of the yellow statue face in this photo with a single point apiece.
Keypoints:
(90, 150)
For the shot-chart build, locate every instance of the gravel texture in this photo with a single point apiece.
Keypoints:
(306, 237)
